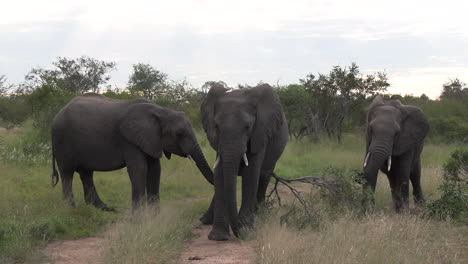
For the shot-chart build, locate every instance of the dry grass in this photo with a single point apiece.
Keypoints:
(383, 237)
(373, 239)
(151, 235)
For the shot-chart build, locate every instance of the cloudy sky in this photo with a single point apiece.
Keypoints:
(420, 44)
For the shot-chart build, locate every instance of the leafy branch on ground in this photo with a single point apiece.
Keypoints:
(338, 190)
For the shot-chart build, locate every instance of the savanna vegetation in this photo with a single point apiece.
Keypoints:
(326, 115)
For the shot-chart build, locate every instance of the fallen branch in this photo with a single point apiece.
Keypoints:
(328, 183)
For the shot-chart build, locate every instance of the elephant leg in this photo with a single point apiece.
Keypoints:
(264, 180)
(66, 176)
(137, 170)
(152, 180)
(400, 173)
(90, 193)
(415, 178)
(392, 181)
(207, 218)
(250, 185)
(220, 230)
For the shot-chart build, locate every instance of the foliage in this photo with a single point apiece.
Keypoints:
(45, 102)
(455, 90)
(13, 110)
(147, 81)
(296, 103)
(337, 95)
(83, 74)
(340, 190)
(454, 200)
(4, 87)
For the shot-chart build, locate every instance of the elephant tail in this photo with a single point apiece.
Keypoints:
(55, 175)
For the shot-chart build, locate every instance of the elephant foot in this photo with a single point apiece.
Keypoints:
(108, 209)
(218, 235)
(207, 219)
(104, 207)
(419, 202)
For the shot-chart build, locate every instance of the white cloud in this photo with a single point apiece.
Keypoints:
(243, 41)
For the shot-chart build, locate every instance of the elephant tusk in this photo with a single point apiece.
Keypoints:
(246, 161)
(216, 162)
(366, 159)
(389, 163)
(190, 158)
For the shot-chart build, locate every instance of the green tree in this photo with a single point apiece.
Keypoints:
(147, 81)
(83, 74)
(209, 84)
(337, 95)
(455, 89)
(296, 103)
(4, 87)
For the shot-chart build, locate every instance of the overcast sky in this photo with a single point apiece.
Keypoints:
(420, 44)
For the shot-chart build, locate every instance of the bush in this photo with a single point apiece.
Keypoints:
(13, 110)
(454, 200)
(340, 193)
(46, 102)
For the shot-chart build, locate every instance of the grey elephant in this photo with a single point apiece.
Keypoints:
(96, 133)
(248, 130)
(394, 142)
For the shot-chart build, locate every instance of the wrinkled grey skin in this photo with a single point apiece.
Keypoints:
(395, 130)
(96, 133)
(249, 121)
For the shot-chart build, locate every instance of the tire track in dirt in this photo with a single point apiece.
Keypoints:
(204, 251)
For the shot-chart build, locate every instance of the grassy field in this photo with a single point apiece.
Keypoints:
(32, 213)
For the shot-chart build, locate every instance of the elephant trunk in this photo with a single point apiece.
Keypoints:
(379, 151)
(230, 165)
(202, 164)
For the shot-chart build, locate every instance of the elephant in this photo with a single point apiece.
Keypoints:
(248, 130)
(96, 133)
(394, 142)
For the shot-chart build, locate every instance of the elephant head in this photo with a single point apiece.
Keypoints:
(392, 129)
(157, 130)
(238, 124)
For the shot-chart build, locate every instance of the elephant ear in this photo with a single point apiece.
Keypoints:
(414, 127)
(141, 125)
(269, 116)
(208, 113)
(378, 101)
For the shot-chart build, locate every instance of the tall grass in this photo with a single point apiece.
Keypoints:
(151, 235)
(382, 237)
(378, 238)
(32, 213)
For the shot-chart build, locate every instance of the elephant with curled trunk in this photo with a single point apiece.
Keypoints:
(96, 133)
(394, 142)
(248, 130)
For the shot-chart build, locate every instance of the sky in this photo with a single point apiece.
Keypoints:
(419, 44)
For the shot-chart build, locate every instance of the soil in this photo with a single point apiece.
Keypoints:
(204, 251)
(200, 250)
(80, 251)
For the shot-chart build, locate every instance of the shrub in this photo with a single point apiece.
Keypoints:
(454, 200)
(340, 192)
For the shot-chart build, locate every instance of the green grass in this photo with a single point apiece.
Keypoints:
(32, 213)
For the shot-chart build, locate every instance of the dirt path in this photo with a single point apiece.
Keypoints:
(79, 251)
(204, 251)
